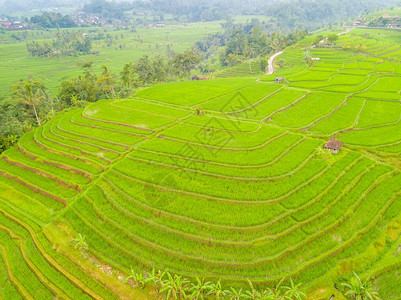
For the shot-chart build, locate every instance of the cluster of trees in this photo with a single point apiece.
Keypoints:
(244, 42)
(158, 69)
(109, 9)
(30, 106)
(315, 14)
(65, 44)
(53, 20)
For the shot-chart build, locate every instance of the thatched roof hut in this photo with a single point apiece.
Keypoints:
(334, 145)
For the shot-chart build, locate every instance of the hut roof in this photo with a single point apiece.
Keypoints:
(334, 144)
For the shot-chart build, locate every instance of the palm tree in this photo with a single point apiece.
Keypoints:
(358, 289)
(80, 242)
(30, 92)
(293, 292)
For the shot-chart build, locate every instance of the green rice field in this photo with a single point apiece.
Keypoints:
(218, 178)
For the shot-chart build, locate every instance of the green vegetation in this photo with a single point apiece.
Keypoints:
(223, 185)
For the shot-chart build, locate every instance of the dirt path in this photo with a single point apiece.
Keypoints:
(270, 67)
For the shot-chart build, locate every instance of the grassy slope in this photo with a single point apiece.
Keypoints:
(236, 193)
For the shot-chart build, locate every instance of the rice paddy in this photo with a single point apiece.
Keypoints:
(218, 178)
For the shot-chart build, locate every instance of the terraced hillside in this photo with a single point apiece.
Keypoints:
(251, 68)
(218, 178)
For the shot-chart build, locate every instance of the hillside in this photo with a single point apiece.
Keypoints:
(223, 179)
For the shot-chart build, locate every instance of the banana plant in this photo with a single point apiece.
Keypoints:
(80, 243)
(293, 292)
(360, 290)
(252, 293)
(137, 278)
(156, 278)
(234, 294)
(217, 291)
(199, 289)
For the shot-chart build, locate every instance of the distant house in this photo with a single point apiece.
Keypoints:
(315, 58)
(279, 79)
(334, 145)
(95, 52)
(394, 25)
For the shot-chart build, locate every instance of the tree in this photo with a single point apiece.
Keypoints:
(358, 289)
(30, 92)
(263, 64)
(106, 81)
(81, 243)
(184, 63)
(127, 75)
(237, 43)
(332, 38)
(144, 68)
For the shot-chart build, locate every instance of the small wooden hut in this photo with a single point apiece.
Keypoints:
(334, 145)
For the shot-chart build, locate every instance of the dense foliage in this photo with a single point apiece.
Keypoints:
(314, 14)
(65, 44)
(53, 20)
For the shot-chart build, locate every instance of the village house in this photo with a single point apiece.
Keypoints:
(394, 25)
(279, 79)
(334, 145)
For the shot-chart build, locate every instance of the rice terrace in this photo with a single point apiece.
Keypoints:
(230, 185)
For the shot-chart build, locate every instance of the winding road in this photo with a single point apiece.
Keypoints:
(270, 67)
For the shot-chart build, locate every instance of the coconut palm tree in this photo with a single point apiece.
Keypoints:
(360, 290)
(80, 242)
(30, 92)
